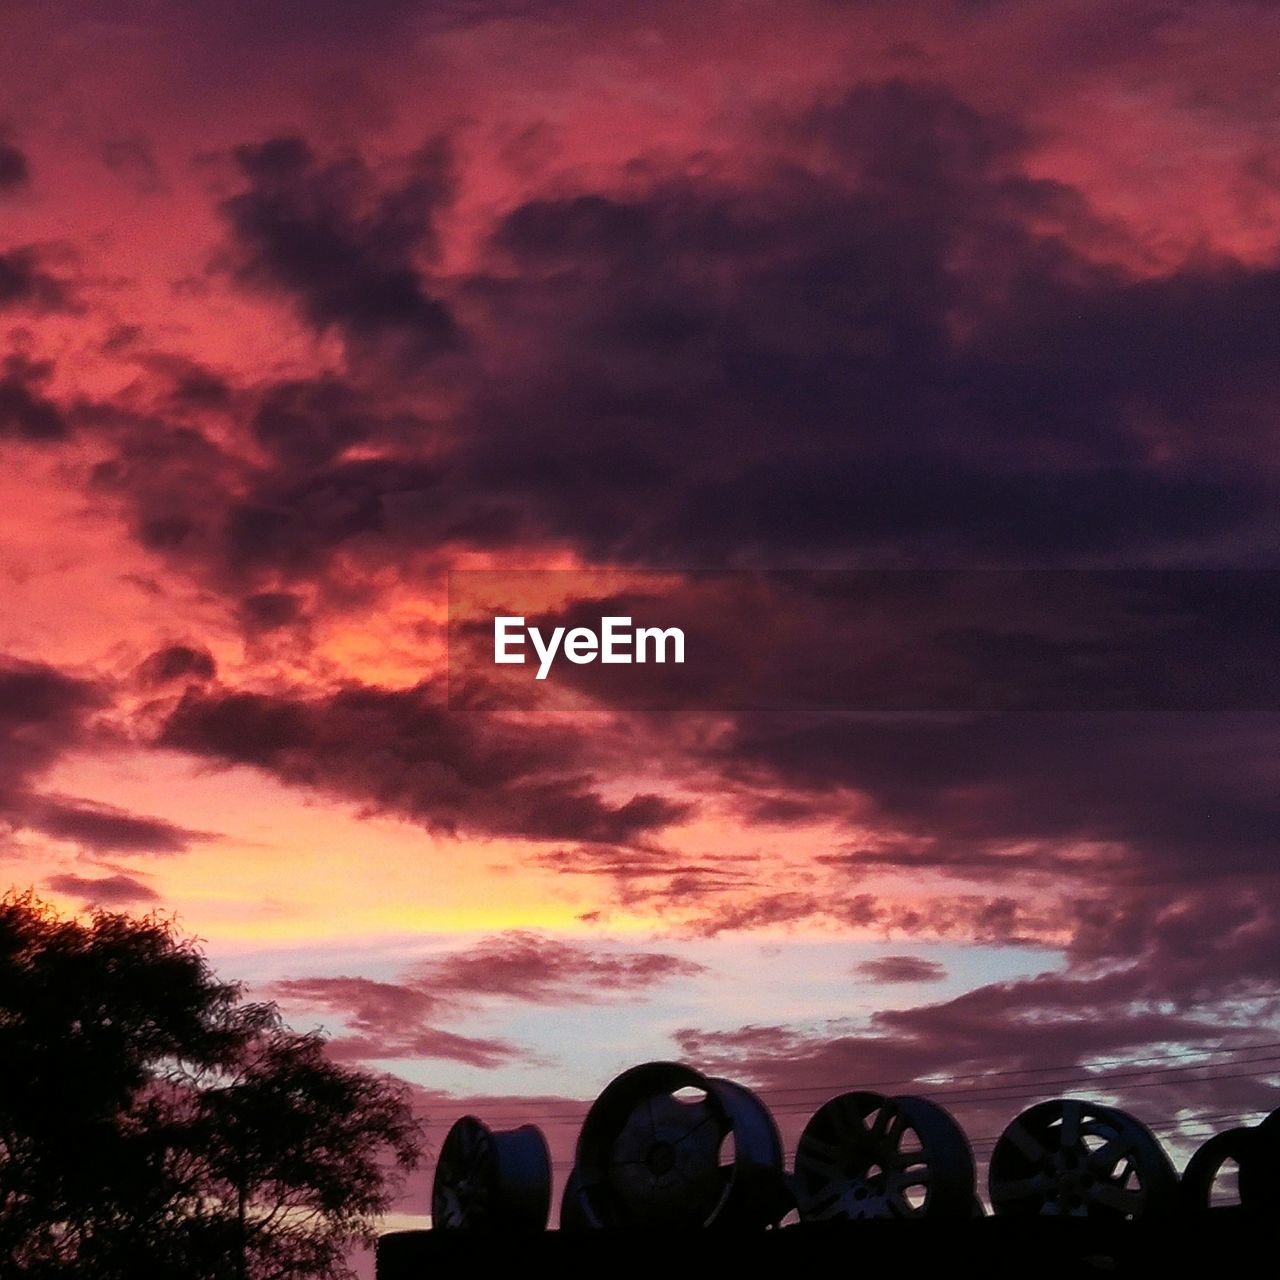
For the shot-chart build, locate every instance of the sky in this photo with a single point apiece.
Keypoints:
(728, 309)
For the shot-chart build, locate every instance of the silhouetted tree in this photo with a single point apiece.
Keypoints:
(155, 1123)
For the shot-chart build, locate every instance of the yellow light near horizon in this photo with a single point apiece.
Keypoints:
(282, 866)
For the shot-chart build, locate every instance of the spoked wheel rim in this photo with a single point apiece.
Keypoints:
(666, 1156)
(757, 1191)
(864, 1155)
(651, 1147)
(1256, 1155)
(571, 1214)
(465, 1175)
(1068, 1158)
(1202, 1174)
(485, 1178)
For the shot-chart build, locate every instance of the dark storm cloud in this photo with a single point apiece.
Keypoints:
(105, 829)
(237, 523)
(271, 611)
(177, 662)
(1000, 782)
(883, 340)
(176, 481)
(14, 167)
(292, 525)
(1143, 843)
(193, 388)
(891, 342)
(347, 251)
(1119, 836)
(26, 281)
(1189, 940)
(308, 423)
(896, 351)
(25, 411)
(42, 714)
(109, 891)
(1069, 813)
(898, 348)
(200, 389)
(940, 642)
(400, 751)
(233, 522)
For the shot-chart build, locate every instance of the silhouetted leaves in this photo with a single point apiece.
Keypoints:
(151, 1118)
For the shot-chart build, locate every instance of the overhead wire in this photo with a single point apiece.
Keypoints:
(1014, 1091)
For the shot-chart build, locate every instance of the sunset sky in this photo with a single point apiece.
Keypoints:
(304, 305)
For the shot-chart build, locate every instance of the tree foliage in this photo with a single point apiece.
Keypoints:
(154, 1122)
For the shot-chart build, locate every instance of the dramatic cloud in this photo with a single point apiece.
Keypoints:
(882, 338)
(890, 342)
(926, 641)
(309, 423)
(25, 281)
(400, 751)
(996, 919)
(644, 875)
(389, 1021)
(177, 662)
(898, 349)
(108, 891)
(14, 169)
(525, 966)
(1052, 791)
(42, 713)
(175, 478)
(327, 235)
(396, 1019)
(24, 410)
(401, 289)
(105, 829)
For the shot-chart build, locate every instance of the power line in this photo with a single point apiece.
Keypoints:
(1165, 1127)
(1014, 1091)
(1229, 1119)
(999, 1093)
(1067, 1066)
(1059, 1089)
